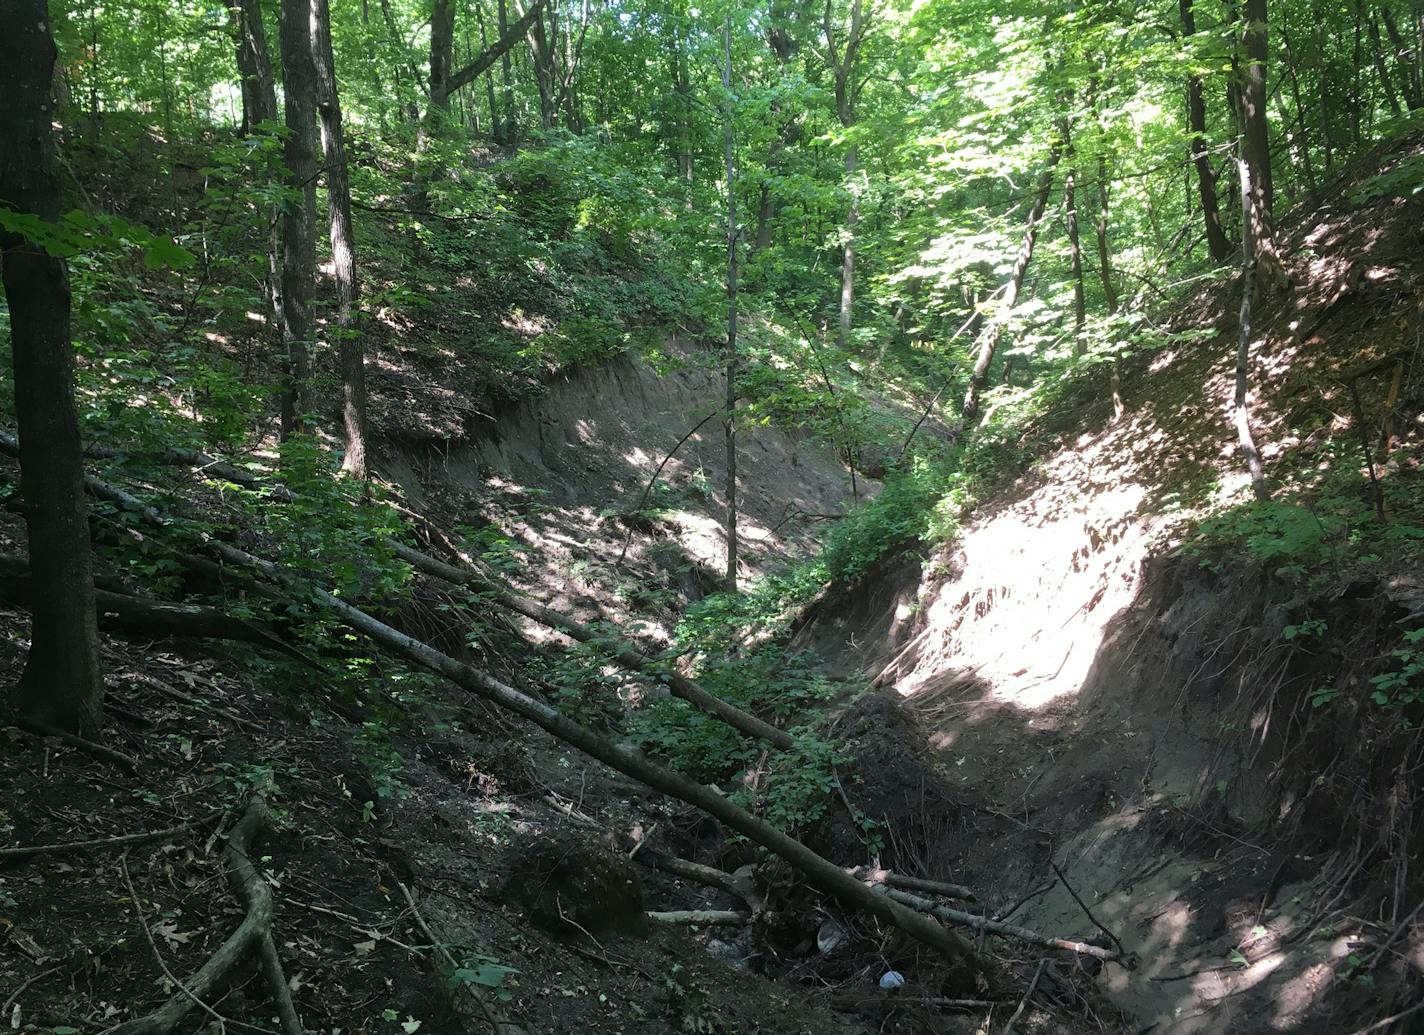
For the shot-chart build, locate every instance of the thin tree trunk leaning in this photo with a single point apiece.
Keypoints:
(1216, 240)
(252, 937)
(989, 340)
(61, 685)
(1241, 414)
(343, 245)
(819, 872)
(1377, 56)
(729, 421)
(621, 652)
(299, 218)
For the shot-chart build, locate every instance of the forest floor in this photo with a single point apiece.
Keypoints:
(1061, 689)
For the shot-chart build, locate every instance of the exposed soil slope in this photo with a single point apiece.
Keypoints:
(1101, 701)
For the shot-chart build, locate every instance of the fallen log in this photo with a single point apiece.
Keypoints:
(133, 613)
(253, 937)
(819, 872)
(982, 923)
(739, 884)
(621, 652)
(468, 575)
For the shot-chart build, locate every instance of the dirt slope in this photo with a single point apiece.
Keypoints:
(1105, 704)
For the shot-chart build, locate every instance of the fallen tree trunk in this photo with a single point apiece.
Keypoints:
(468, 575)
(982, 923)
(819, 872)
(133, 613)
(252, 937)
(621, 652)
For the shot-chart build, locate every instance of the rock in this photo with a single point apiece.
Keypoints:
(570, 883)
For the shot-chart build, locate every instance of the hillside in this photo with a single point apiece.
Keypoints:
(564, 517)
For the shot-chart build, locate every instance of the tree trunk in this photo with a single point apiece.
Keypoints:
(989, 340)
(254, 65)
(847, 305)
(343, 245)
(496, 122)
(1241, 410)
(1104, 252)
(1408, 61)
(61, 685)
(1381, 69)
(1216, 240)
(1255, 147)
(299, 220)
(508, 121)
(730, 420)
(1075, 258)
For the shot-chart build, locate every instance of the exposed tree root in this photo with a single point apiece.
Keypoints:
(739, 884)
(252, 937)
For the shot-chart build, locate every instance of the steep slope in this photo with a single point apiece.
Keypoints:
(1150, 720)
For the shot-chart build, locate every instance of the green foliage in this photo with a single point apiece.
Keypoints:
(1403, 686)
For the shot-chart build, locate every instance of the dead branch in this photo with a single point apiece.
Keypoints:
(1086, 911)
(820, 872)
(621, 652)
(700, 917)
(500, 1025)
(981, 923)
(903, 883)
(253, 936)
(658, 473)
(739, 884)
(1028, 994)
(124, 840)
(99, 751)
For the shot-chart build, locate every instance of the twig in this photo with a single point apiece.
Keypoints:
(1390, 1020)
(24, 852)
(15, 995)
(1086, 911)
(497, 1023)
(1025, 900)
(1023, 1003)
(981, 923)
(653, 480)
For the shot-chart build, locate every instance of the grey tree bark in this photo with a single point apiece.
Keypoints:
(61, 685)
(350, 347)
(299, 219)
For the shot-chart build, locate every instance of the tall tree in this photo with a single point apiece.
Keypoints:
(61, 685)
(843, 50)
(299, 215)
(343, 244)
(730, 418)
(1216, 240)
(989, 337)
(1255, 148)
(254, 65)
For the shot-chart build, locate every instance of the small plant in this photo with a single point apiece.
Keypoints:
(1323, 695)
(1404, 686)
(1310, 629)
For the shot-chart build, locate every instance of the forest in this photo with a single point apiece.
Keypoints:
(559, 516)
